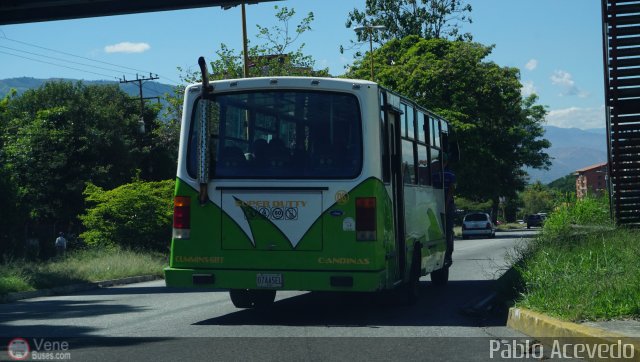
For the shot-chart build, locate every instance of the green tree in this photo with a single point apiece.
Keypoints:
(12, 214)
(499, 131)
(271, 57)
(62, 135)
(425, 18)
(136, 215)
(537, 198)
(566, 184)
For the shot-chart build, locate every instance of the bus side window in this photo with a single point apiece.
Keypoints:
(421, 128)
(436, 168)
(410, 123)
(408, 162)
(423, 165)
(403, 119)
(435, 132)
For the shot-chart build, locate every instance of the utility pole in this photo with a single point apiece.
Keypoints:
(245, 68)
(370, 29)
(139, 80)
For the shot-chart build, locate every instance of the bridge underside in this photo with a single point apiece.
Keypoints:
(29, 11)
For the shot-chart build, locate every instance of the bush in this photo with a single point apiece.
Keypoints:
(135, 216)
(569, 216)
(581, 267)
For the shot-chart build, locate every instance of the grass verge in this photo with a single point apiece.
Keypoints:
(581, 267)
(511, 226)
(81, 266)
(589, 276)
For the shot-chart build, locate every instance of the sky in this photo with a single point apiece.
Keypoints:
(556, 44)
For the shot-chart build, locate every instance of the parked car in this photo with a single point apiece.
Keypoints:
(535, 220)
(478, 224)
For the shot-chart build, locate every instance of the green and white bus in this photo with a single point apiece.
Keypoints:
(314, 184)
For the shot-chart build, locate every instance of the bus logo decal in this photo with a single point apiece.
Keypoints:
(258, 215)
(266, 212)
(291, 213)
(277, 213)
(342, 197)
(348, 224)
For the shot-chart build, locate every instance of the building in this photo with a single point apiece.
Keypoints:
(592, 180)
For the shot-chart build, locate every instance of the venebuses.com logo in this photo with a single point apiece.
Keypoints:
(19, 349)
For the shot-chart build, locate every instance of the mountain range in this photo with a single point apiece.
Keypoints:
(571, 148)
(22, 84)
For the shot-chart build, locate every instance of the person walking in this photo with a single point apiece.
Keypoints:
(61, 245)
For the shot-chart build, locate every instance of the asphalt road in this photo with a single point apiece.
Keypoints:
(148, 321)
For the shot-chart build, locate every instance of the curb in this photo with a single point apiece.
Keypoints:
(74, 288)
(551, 330)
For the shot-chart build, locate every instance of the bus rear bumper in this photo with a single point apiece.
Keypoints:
(307, 280)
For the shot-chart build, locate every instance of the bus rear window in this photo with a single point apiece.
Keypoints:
(282, 134)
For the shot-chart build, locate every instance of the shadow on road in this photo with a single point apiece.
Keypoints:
(435, 307)
(150, 290)
(62, 309)
(56, 310)
(511, 234)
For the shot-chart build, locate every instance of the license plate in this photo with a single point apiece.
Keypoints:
(269, 280)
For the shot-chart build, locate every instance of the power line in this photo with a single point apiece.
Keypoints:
(60, 65)
(153, 91)
(142, 98)
(64, 60)
(81, 57)
(71, 55)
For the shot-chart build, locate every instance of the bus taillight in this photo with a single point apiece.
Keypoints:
(365, 218)
(181, 217)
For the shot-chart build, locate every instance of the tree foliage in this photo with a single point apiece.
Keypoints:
(271, 57)
(136, 215)
(429, 19)
(537, 198)
(566, 184)
(62, 135)
(499, 131)
(12, 211)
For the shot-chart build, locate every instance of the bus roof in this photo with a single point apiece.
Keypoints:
(260, 82)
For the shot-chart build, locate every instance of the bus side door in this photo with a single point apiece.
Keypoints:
(395, 152)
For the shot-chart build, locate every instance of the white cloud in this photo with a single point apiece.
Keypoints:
(575, 117)
(562, 78)
(528, 88)
(127, 47)
(565, 80)
(531, 64)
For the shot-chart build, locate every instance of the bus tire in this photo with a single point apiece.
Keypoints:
(440, 277)
(412, 288)
(241, 298)
(263, 297)
(252, 298)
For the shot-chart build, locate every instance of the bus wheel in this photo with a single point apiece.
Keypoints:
(440, 277)
(412, 288)
(263, 297)
(252, 298)
(241, 298)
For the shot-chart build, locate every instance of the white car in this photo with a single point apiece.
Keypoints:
(478, 224)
